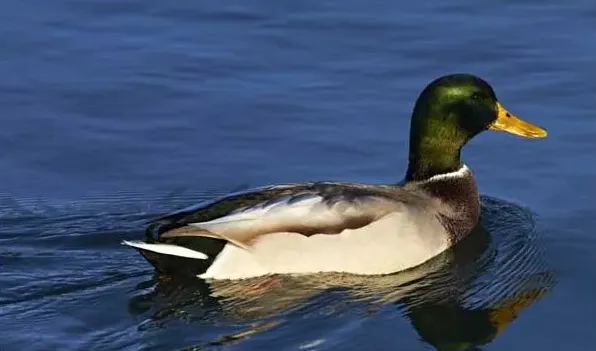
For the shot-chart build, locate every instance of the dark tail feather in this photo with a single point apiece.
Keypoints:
(154, 230)
(176, 265)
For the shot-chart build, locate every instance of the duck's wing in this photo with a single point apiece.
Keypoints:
(307, 209)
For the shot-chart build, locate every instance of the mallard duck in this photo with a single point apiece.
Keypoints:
(363, 229)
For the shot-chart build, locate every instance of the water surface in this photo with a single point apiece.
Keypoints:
(118, 111)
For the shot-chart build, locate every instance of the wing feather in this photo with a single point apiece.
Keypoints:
(303, 213)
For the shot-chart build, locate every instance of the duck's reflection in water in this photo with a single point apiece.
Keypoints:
(459, 300)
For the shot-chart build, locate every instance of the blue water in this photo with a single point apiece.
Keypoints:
(114, 112)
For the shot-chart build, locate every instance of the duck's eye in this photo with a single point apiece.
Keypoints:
(476, 97)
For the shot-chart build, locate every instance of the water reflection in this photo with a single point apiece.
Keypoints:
(460, 300)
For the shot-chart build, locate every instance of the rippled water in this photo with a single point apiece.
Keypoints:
(118, 111)
(478, 288)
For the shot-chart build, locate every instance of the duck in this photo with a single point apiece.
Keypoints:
(342, 227)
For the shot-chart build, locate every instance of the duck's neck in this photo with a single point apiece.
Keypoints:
(436, 140)
(430, 157)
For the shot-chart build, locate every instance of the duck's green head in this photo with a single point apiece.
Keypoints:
(449, 112)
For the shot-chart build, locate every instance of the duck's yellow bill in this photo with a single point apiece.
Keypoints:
(508, 122)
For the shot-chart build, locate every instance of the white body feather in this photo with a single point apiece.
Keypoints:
(390, 244)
